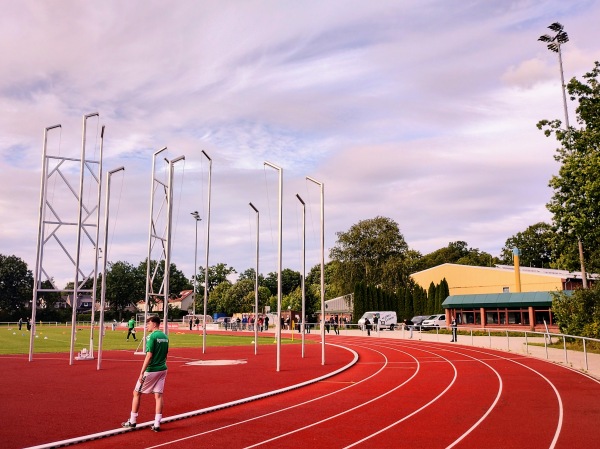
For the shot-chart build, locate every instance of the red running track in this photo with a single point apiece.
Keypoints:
(400, 394)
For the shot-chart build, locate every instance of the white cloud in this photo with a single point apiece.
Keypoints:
(421, 111)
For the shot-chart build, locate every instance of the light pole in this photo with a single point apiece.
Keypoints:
(207, 249)
(279, 295)
(197, 218)
(303, 270)
(103, 285)
(554, 44)
(256, 282)
(322, 186)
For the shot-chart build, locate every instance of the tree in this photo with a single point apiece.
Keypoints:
(575, 204)
(217, 274)
(16, 284)
(178, 282)
(458, 253)
(535, 244)
(290, 280)
(373, 251)
(578, 312)
(125, 286)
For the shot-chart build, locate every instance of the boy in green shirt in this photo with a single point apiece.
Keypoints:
(152, 375)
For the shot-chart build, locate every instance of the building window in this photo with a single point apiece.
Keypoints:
(505, 289)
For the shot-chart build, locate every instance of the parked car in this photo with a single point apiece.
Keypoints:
(418, 320)
(434, 321)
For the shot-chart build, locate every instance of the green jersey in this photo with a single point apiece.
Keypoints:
(131, 323)
(158, 344)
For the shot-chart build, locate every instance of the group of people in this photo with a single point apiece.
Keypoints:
(333, 322)
(28, 323)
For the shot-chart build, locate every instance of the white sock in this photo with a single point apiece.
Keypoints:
(157, 419)
(133, 418)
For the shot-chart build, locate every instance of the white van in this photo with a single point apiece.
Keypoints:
(434, 321)
(385, 320)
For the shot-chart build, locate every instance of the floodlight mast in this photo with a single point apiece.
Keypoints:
(38, 260)
(279, 295)
(256, 281)
(322, 266)
(207, 252)
(302, 323)
(554, 44)
(105, 262)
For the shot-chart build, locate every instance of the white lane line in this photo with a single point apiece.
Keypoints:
(364, 404)
(556, 393)
(380, 431)
(279, 410)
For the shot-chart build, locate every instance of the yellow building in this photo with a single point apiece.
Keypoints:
(503, 295)
(470, 280)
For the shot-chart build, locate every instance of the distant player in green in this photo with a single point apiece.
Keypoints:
(131, 328)
(153, 373)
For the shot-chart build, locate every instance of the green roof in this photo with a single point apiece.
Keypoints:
(535, 299)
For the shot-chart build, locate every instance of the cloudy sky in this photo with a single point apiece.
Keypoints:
(423, 111)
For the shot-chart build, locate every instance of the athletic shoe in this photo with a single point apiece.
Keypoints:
(155, 429)
(128, 425)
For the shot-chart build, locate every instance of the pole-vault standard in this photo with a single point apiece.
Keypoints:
(104, 262)
(38, 260)
(207, 251)
(303, 269)
(278, 327)
(322, 266)
(152, 234)
(97, 240)
(74, 302)
(167, 276)
(256, 282)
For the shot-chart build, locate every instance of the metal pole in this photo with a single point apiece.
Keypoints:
(322, 267)
(256, 282)
(279, 295)
(78, 251)
(37, 274)
(197, 218)
(207, 251)
(104, 262)
(97, 240)
(167, 278)
(303, 269)
(150, 233)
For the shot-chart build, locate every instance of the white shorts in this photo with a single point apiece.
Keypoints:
(153, 382)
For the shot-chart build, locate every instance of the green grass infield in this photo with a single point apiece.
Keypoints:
(51, 338)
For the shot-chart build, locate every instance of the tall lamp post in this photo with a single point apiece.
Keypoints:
(279, 295)
(303, 270)
(197, 219)
(554, 44)
(322, 186)
(256, 281)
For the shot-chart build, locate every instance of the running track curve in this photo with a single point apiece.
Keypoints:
(403, 393)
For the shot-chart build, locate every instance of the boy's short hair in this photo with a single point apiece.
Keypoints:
(154, 319)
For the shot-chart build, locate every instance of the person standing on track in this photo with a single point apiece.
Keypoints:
(152, 375)
(368, 326)
(454, 327)
(131, 328)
